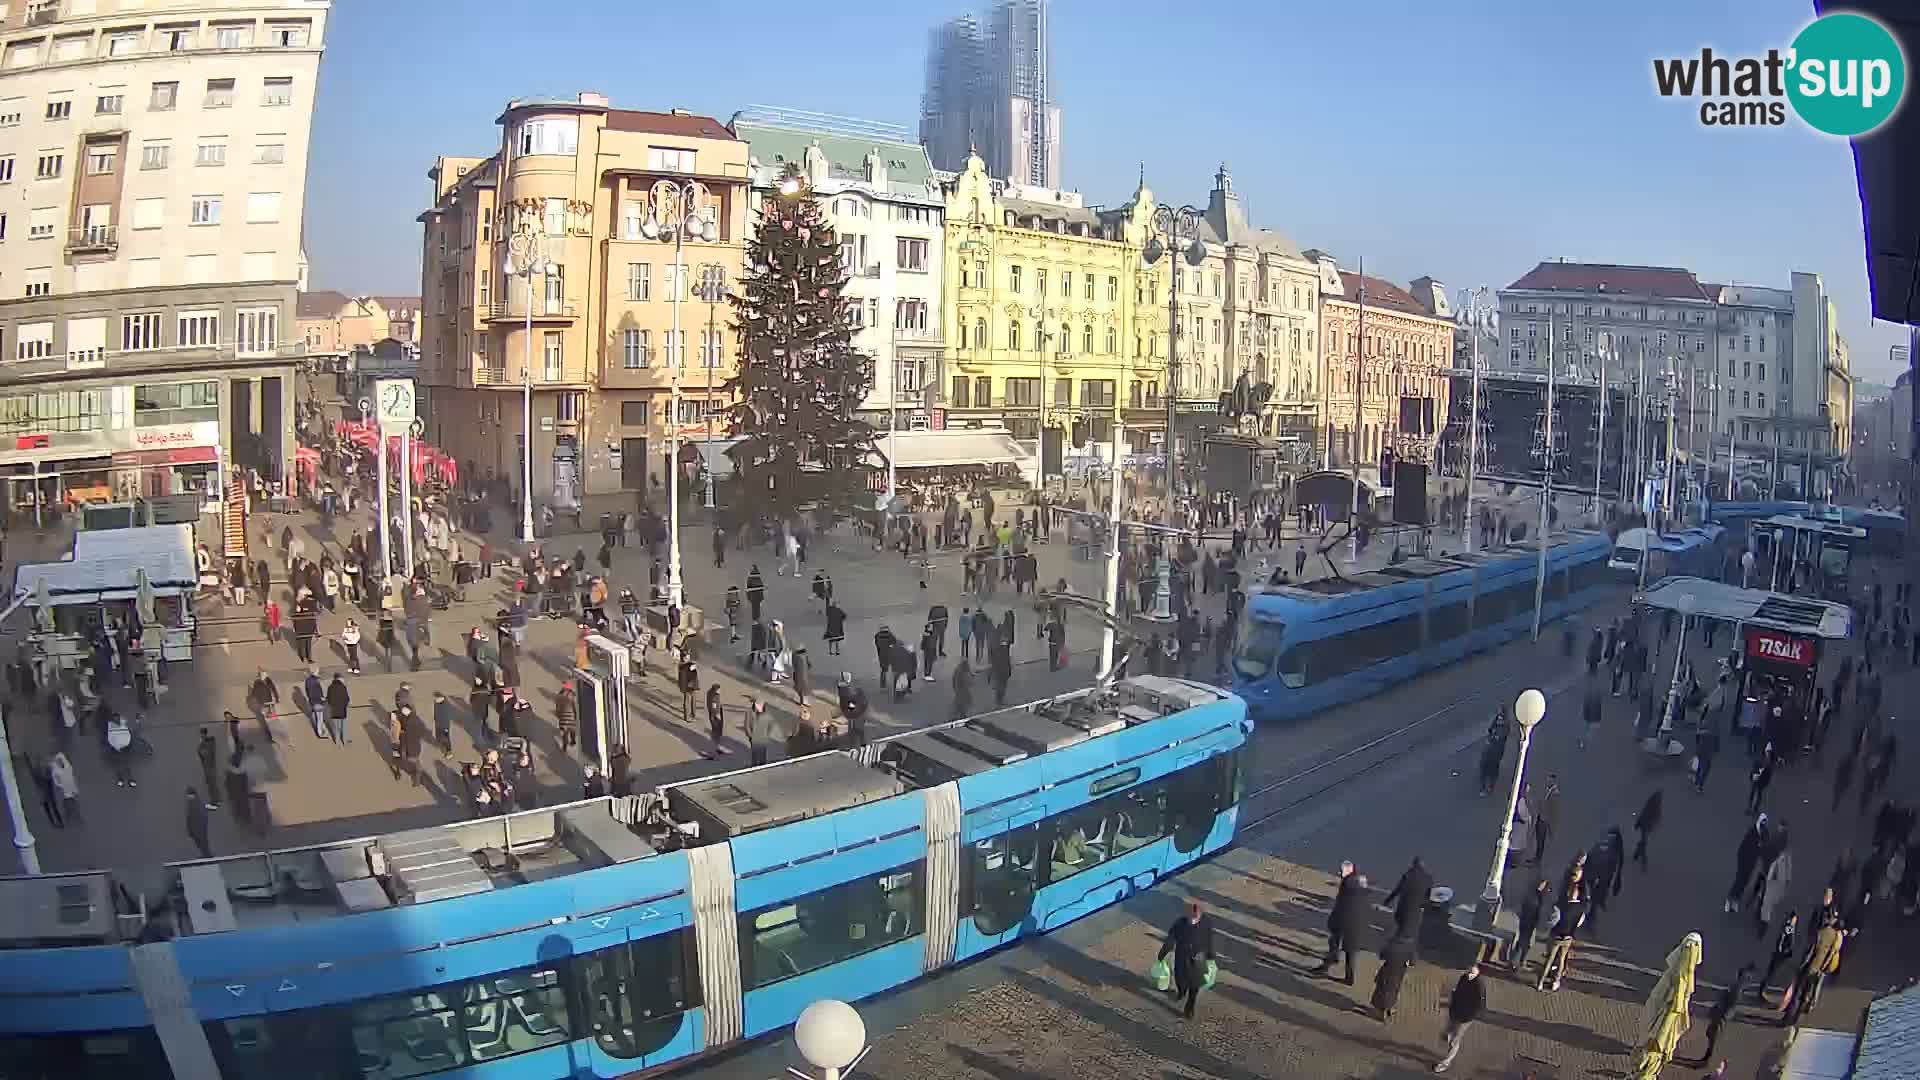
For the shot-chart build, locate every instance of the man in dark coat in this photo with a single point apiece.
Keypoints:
(1395, 959)
(756, 592)
(1409, 900)
(337, 702)
(1346, 921)
(883, 644)
(1468, 1001)
(937, 622)
(1189, 939)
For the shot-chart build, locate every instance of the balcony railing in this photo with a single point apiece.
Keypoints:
(915, 336)
(871, 270)
(509, 309)
(92, 239)
(486, 375)
(43, 14)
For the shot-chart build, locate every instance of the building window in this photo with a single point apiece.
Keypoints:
(979, 333)
(552, 355)
(270, 153)
(109, 104)
(1013, 281)
(1066, 284)
(49, 167)
(232, 37)
(1013, 335)
(219, 94)
(639, 281)
(1762, 401)
(206, 210)
(910, 315)
(155, 155)
(710, 348)
(1022, 393)
(670, 159)
(1113, 341)
(958, 398)
(1086, 339)
(123, 42)
(165, 96)
(287, 35)
(552, 135)
(6, 168)
(635, 347)
(10, 110)
(210, 153)
(33, 341)
(40, 222)
(256, 331)
(197, 329)
(912, 254)
(571, 406)
(141, 332)
(277, 91)
(100, 160)
(59, 110)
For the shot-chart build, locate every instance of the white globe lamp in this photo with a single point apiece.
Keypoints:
(831, 1036)
(1529, 707)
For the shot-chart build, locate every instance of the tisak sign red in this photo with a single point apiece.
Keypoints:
(1778, 647)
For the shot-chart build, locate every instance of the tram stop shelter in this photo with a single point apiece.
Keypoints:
(1780, 637)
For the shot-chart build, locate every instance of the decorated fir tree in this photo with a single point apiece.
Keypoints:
(800, 377)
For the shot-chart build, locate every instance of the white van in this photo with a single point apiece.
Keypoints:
(1630, 550)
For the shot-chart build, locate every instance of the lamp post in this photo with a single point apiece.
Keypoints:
(1679, 657)
(1181, 227)
(1480, 320)
(1528, 708)
(832, 1038)
(526, 256)
(685, 224)
(713, 288)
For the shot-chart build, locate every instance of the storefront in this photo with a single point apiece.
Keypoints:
(114, 577)
(177, 459)
(50, 475)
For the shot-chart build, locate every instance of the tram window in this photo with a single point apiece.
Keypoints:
(634, 993)
(401, 1035)
(91, 1055)
(1589, 574)
(1446, 622)
(1082, 840)
(1004, 872)
(837, 923)
(1259, 648)
(1500, 605)
(1140, 816)
(1293, 666)
(1364, 647)
(1193, 800)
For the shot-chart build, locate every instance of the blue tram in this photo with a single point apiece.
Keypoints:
(615, 936)
(1319, 644)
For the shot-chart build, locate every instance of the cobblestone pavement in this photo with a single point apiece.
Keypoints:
(1076, 1004)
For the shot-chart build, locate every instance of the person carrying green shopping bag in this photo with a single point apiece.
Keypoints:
(1189, 939)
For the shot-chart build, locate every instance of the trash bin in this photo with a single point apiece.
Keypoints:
(1436, 924)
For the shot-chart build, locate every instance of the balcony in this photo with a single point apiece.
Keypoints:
(93, 240)
(487, 375)
(871, 270)
(515, 310)
(908, 336)
(43, 14)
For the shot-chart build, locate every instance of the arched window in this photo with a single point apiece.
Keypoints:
(1086, 339)
(1013, 335)
(1113, 341)
(979, 333)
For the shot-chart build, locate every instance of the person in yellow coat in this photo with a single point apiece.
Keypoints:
(1664, 1019)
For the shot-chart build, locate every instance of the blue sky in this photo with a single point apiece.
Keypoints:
(1465, 140)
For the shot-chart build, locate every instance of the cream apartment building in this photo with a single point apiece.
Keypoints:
(152, 177)
(597, 195)
(1402, 345)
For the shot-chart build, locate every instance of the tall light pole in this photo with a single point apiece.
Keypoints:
(1359, 363)
(1181, 227)
(1527, 711)
(1546, 491)
(713, 289)
(1480, 318)
(686, 223)
(526, 256)
(1600, 441)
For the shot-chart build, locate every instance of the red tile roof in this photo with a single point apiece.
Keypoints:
(1381, 293)
(396, 304)
(320, 304)
(1663, 281)
(684, 125)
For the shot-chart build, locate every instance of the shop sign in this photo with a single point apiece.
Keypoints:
(175, 435)
(1779, 648)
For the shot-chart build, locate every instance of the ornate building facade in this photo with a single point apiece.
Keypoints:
(1402, 347)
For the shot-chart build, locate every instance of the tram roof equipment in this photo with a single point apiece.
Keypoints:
(1754, 607)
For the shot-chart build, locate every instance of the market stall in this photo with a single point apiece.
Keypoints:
(142, 577)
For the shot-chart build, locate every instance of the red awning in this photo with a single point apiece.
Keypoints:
(177, 455)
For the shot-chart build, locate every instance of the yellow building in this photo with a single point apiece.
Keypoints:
(1050, 315)
(599, 193)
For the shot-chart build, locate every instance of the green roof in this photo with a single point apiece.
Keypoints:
(908, 170)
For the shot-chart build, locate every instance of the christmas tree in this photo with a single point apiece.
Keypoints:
(800, 377)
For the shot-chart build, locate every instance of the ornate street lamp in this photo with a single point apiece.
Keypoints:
(686, 224)
(1181, 229)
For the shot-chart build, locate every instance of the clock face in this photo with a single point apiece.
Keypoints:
(393, 400)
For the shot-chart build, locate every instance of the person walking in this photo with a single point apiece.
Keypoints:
(836, 630)
(1571, 913)
(756, 592)
(688, 680)
(1409, 899)
(716, 716)
(1395, 961)
(350, 641)
(1774, 883)
(411, 740)
(1346, 920)
(443, 722)
(1647, 820)
(65, 785)
(1464, 1006)
(263, 697)
(208, 751)
(962, 689)
(197, 823)
(1546, 818)
(1532, 910)
(1752, 842)
(566, 715)
(1822, 960)
(1758, 780)
(316, 695)
(1189, 939)
(1785, 943)
(338, 701)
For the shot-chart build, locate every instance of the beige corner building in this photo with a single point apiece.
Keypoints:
(594, 198)
(153, 159)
